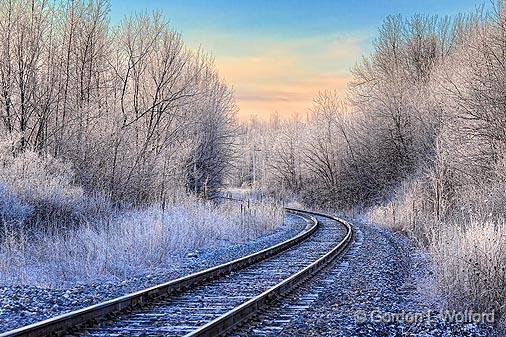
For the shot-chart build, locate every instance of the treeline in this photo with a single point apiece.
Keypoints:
(134, 112)
(428, 104)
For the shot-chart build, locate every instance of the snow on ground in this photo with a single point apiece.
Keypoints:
(22, 305)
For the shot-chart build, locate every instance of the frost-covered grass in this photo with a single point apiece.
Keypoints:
(54, 232)
(471, 261)
(467, 244)
(130, 243)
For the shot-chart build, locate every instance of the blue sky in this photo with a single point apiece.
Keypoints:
(278, 54)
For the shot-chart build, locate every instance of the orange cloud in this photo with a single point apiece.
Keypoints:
(289, 99)
(270, 75)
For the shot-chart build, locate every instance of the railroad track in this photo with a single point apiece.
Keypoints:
(214, 301)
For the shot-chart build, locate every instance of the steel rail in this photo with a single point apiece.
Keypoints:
(242, 313)
(64, 322)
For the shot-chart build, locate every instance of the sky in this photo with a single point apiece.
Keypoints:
(277, 54)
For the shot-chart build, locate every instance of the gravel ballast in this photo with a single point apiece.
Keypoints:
(23, 305)
(376, 289)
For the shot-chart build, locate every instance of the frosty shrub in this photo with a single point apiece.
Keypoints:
(466, 241)
(470, 261)
(131, 243)
(408, 212)
(40, 188)
(13, 211)
(33, 176)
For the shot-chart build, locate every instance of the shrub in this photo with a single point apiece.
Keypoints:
(131, 242)
(470, 261)
(41, 190)
(13, 211)
(467, 242)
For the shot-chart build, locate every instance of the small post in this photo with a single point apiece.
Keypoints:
(413, 213)
(393, 214)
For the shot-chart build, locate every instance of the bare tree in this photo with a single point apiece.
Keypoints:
(126, 105)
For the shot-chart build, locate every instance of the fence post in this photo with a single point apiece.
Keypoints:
(413, 216)
(393, 214)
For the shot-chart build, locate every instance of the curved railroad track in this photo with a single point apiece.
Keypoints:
(213, 301)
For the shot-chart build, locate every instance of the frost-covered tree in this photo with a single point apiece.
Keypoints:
(130, 107)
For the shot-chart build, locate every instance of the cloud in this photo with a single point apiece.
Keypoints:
(288, 99)
(283, 74)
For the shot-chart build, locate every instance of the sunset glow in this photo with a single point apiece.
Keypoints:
(278, 55)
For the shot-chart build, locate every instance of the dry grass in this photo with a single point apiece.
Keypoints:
(467, 243)
(138, 241)
(408, 213)
(471, 261)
